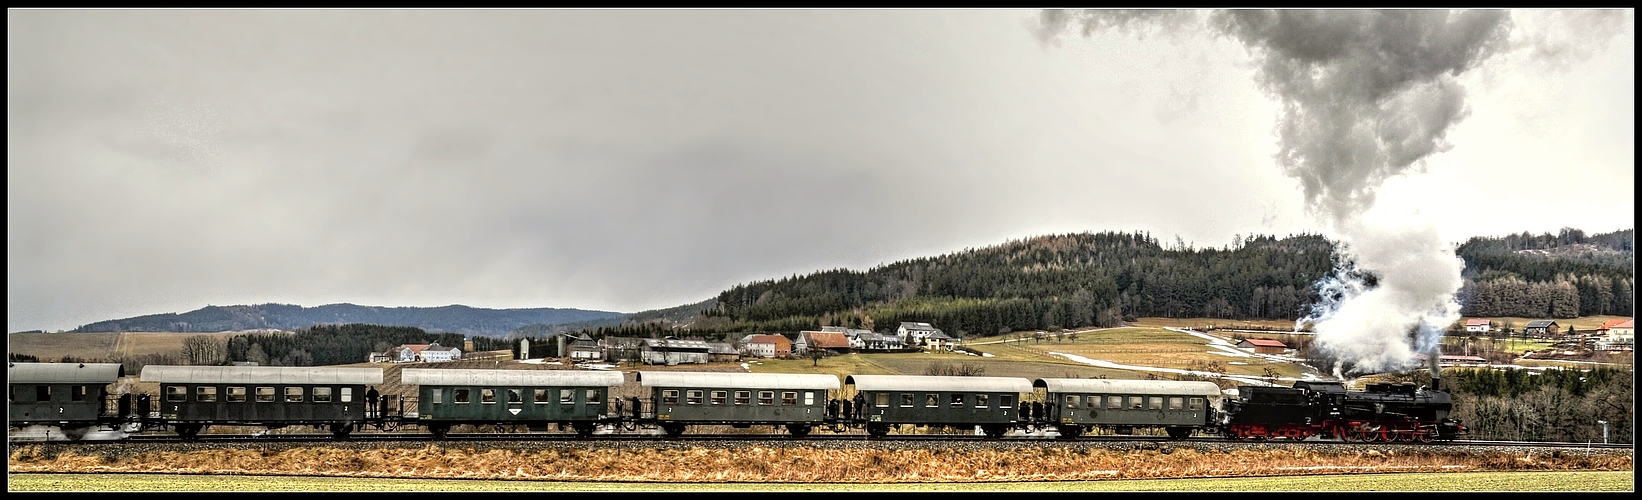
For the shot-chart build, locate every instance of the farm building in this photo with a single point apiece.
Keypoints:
(435, 353)
(830, 342)
(1541, 328)
(672, 351)
(722, 351)
(914, 333)
(1477, 325)
(585, 349)
(1263, 346)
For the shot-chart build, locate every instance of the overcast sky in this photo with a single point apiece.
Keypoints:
(624, 160)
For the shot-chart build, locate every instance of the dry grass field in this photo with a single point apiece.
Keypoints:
(101, 346)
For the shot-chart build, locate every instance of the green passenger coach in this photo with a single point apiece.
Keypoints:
(1076, 405)
(681, 399)
(533, 398)
(888, 400)
(192, 398)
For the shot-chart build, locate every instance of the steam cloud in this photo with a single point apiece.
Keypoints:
(1366, 95)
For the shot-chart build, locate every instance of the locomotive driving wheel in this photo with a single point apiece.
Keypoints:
(1423, 437)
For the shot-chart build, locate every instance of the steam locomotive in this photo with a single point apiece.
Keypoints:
(75, 401)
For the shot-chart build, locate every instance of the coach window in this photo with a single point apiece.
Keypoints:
(514, 397)
(236, 394)
(693, 397)
(743, 397)
(539, 396)
(1072, 402)
(76, 393)
(932, 400)
(293, 394)
(43, 393)
(789, 398)
(957, 400)
(347, 395)
(1194, 404)
(1176, 403)
(906, 400)
(461, 397)
(592, 397)
(265, 394)
(1154, 403)
(568, 396)
(809, 398)
(720, 397)
(1006, 401)
(322, 394)
(173, 394)
(205, 394)
(436, 396)
(487, 396)
(766, 398)
(1114, 402)
(980, 400)
(669, 396)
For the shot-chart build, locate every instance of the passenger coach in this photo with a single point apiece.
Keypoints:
(795, 401)
(533, 398)
(193, 398)
(71, 396)
(888, 400)
(1179, 407)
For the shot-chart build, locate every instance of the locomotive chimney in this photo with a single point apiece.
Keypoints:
(1436, 371)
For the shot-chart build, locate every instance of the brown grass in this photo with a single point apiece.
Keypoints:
(802, 464)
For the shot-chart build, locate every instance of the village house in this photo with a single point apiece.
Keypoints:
(435, 353)
(874, 341)
(1262, 346)
(1620, 335)
(915, 333)
(767, 346)
(940, 341)
(410, 353)
(1540, 328)
(1477, 325)
(585, 349)
(619, 349)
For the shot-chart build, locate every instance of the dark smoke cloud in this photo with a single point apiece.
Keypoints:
(1366, 95)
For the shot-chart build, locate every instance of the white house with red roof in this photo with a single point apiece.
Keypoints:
(1477, 325)
(1617, 335)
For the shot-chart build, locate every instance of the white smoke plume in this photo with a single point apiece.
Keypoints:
(1366, 95)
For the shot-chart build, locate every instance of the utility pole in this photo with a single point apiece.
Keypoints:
(1604, 430)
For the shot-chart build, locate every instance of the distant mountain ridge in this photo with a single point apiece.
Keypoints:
(443, 319)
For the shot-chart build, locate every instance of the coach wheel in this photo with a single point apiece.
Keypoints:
(341, 431)
(877, 430)
(439, 431)
(994, 431)
(673, 430)
(798, 430)
(188, 431)
(583, 429)
(1179, 432)
(1069, 431)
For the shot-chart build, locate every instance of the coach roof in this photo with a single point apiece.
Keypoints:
(260, 374)
(64, 373)
(938, 384)
(576, 378)
(738, 380)
(1110, 386)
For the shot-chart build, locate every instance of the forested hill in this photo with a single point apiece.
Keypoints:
(1048, 282)
(1564, 275)
(453, 318)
